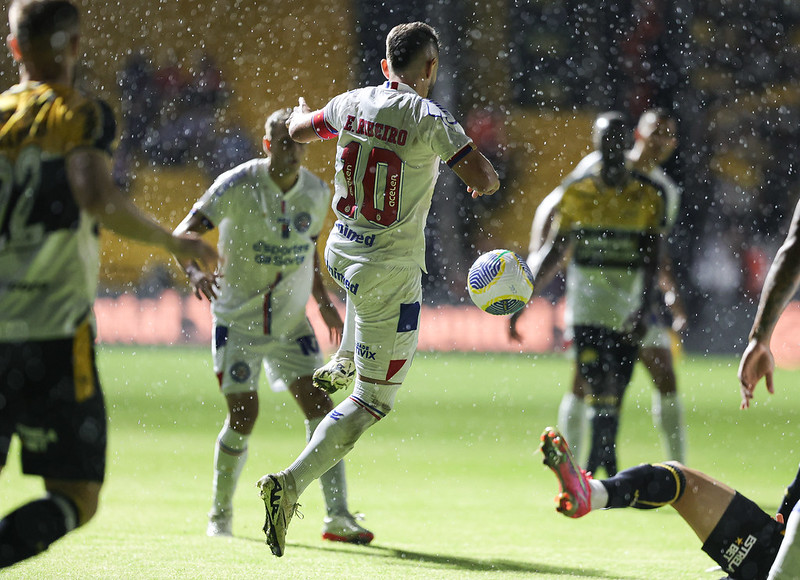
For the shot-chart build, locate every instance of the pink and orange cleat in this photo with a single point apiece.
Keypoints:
(574, 497)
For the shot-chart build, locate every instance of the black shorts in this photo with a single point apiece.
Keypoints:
(605, 361)
(50, 398)
(745, 541)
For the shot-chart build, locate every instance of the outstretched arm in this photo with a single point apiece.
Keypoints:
(204, 282)
(544, 265)
(779, 286)
(90, 179)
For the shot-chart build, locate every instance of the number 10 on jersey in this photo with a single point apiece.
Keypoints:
(377, 194)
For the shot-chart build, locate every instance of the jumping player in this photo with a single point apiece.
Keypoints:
(390, 140)
(269, 213)
(56, 190)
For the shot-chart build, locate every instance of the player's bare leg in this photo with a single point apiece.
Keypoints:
(667, 407)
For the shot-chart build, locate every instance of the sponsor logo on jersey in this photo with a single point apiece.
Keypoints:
(278, 255)
(364, 351)
(354, 236)
(380, 131)
(240, 371)
(737, 552)
(343, 282)
(302, 222)
(36, 439)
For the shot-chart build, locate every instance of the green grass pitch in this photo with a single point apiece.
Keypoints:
(450, 481)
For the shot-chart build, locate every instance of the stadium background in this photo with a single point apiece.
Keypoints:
(526, 79)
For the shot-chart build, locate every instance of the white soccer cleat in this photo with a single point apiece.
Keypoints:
(339, 373)
(345, 528)
(279, 512)
(219, 525)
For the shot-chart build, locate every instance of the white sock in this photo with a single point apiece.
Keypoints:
(668, 416)
(332, 482)
(599, 494)
(572, 421)
(230, 454)
(338, 432)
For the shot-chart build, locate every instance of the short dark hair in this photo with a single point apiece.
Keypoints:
(406, 41)
(43, 24)
(608, 122)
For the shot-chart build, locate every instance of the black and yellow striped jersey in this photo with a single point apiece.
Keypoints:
(607, 227)
(48, 246)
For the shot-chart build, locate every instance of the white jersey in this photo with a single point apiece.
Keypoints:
(266, 247)
(390, 141)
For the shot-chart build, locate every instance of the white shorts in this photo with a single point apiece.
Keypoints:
(657, 336)
(382, 317)
(238, 359)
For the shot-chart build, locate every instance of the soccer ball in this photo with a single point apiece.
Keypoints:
(500, 282)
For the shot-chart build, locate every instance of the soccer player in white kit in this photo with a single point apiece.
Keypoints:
(269, 213)
(390, 141)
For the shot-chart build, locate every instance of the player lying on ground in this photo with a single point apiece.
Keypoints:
(735, 532)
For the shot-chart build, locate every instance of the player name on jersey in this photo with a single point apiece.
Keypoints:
(380, 131)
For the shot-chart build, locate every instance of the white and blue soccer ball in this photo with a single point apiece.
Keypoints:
(500, 282)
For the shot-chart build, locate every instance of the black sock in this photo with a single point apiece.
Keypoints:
(645, 487)
(603, 452)
(31, 529)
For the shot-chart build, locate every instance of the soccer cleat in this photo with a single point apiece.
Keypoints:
(574, 498)
(337, 374)
(219, 525)
(279, 512)
(345, 528)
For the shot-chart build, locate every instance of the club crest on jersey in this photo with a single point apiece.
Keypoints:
(240, 371)
(302, 222)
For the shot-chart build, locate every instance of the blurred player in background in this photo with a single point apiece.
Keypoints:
(390, 141)
(609, 219)
(56, 189)
(269, 213)
(743, 539)
(654, 142)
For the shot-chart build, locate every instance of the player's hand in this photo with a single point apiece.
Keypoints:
(300, 109)
(479, 193)
(189, 247)
(638, 325)
(757, 361)
(333, 321)
(204, 284)
(679, 322)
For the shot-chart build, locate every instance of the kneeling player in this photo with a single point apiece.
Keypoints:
(735, 532)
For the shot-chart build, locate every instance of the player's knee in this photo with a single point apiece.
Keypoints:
(84, 495)
(378, 396)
